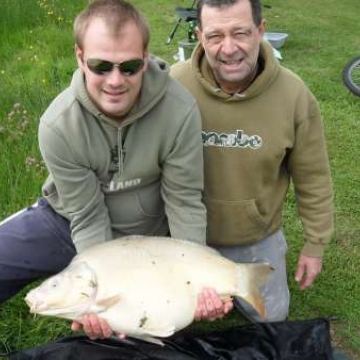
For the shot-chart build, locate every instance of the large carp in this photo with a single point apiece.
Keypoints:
(145, 287)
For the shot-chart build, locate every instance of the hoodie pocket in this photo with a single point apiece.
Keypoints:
(233, 222)
(139, 211)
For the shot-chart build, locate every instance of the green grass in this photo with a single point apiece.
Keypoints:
(37, 62)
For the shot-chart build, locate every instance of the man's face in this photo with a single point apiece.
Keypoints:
(112, 92)
(231, 42)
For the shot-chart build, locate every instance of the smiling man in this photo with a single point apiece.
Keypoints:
(261, 129)
(231, 39)
(122, 145)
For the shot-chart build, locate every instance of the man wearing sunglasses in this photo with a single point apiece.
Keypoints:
(123, 148)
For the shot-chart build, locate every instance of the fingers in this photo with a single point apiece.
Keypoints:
(307, 271)
(219, 307)
(213, 304)
(93, 326)
(201, 311)
(300, 272)
(106, 330)
(307, 281)
(228, 306)
(76, 326)
(198, 311)
(210, 306)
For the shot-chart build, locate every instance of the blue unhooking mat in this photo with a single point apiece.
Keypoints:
(287, 340)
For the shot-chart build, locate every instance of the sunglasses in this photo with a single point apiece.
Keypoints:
(126, 68)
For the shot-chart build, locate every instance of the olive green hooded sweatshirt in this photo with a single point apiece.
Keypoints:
(143, 176)
(254, 143)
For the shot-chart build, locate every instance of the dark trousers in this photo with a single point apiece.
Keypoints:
(34, 243)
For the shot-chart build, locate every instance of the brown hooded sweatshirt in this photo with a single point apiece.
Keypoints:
(255, 142)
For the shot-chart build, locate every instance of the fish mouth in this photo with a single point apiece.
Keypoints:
(38, 306)
(34, 304)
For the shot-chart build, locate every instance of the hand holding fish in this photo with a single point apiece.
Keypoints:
(95, 327)
(210, 307)
(307, 270)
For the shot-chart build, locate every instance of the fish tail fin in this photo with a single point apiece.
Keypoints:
(249, 279)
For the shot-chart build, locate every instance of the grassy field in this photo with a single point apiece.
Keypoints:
(37, 62)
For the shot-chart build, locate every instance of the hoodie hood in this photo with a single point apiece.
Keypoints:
(154, 87)
(269, 65)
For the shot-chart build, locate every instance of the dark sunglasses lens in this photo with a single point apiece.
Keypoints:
(99, 66)
(127, 68)
(131, 67)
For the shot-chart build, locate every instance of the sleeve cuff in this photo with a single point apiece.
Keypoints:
(313, 250)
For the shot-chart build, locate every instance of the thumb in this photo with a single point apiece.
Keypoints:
(75, 326)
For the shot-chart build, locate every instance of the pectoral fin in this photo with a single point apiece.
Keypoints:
(104, 304)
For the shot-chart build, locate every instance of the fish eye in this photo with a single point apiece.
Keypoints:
(54, 284)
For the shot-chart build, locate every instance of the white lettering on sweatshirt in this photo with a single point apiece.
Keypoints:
(237, 139)
(120, 185)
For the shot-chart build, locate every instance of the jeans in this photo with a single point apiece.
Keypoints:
(34, 243)
(275, 292)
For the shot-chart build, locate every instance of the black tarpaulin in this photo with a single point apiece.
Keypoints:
(287, 340)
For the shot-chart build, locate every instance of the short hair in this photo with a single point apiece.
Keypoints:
(116, 13)
(255, 8)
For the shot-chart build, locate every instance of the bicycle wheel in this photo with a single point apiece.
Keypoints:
(351, 75)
